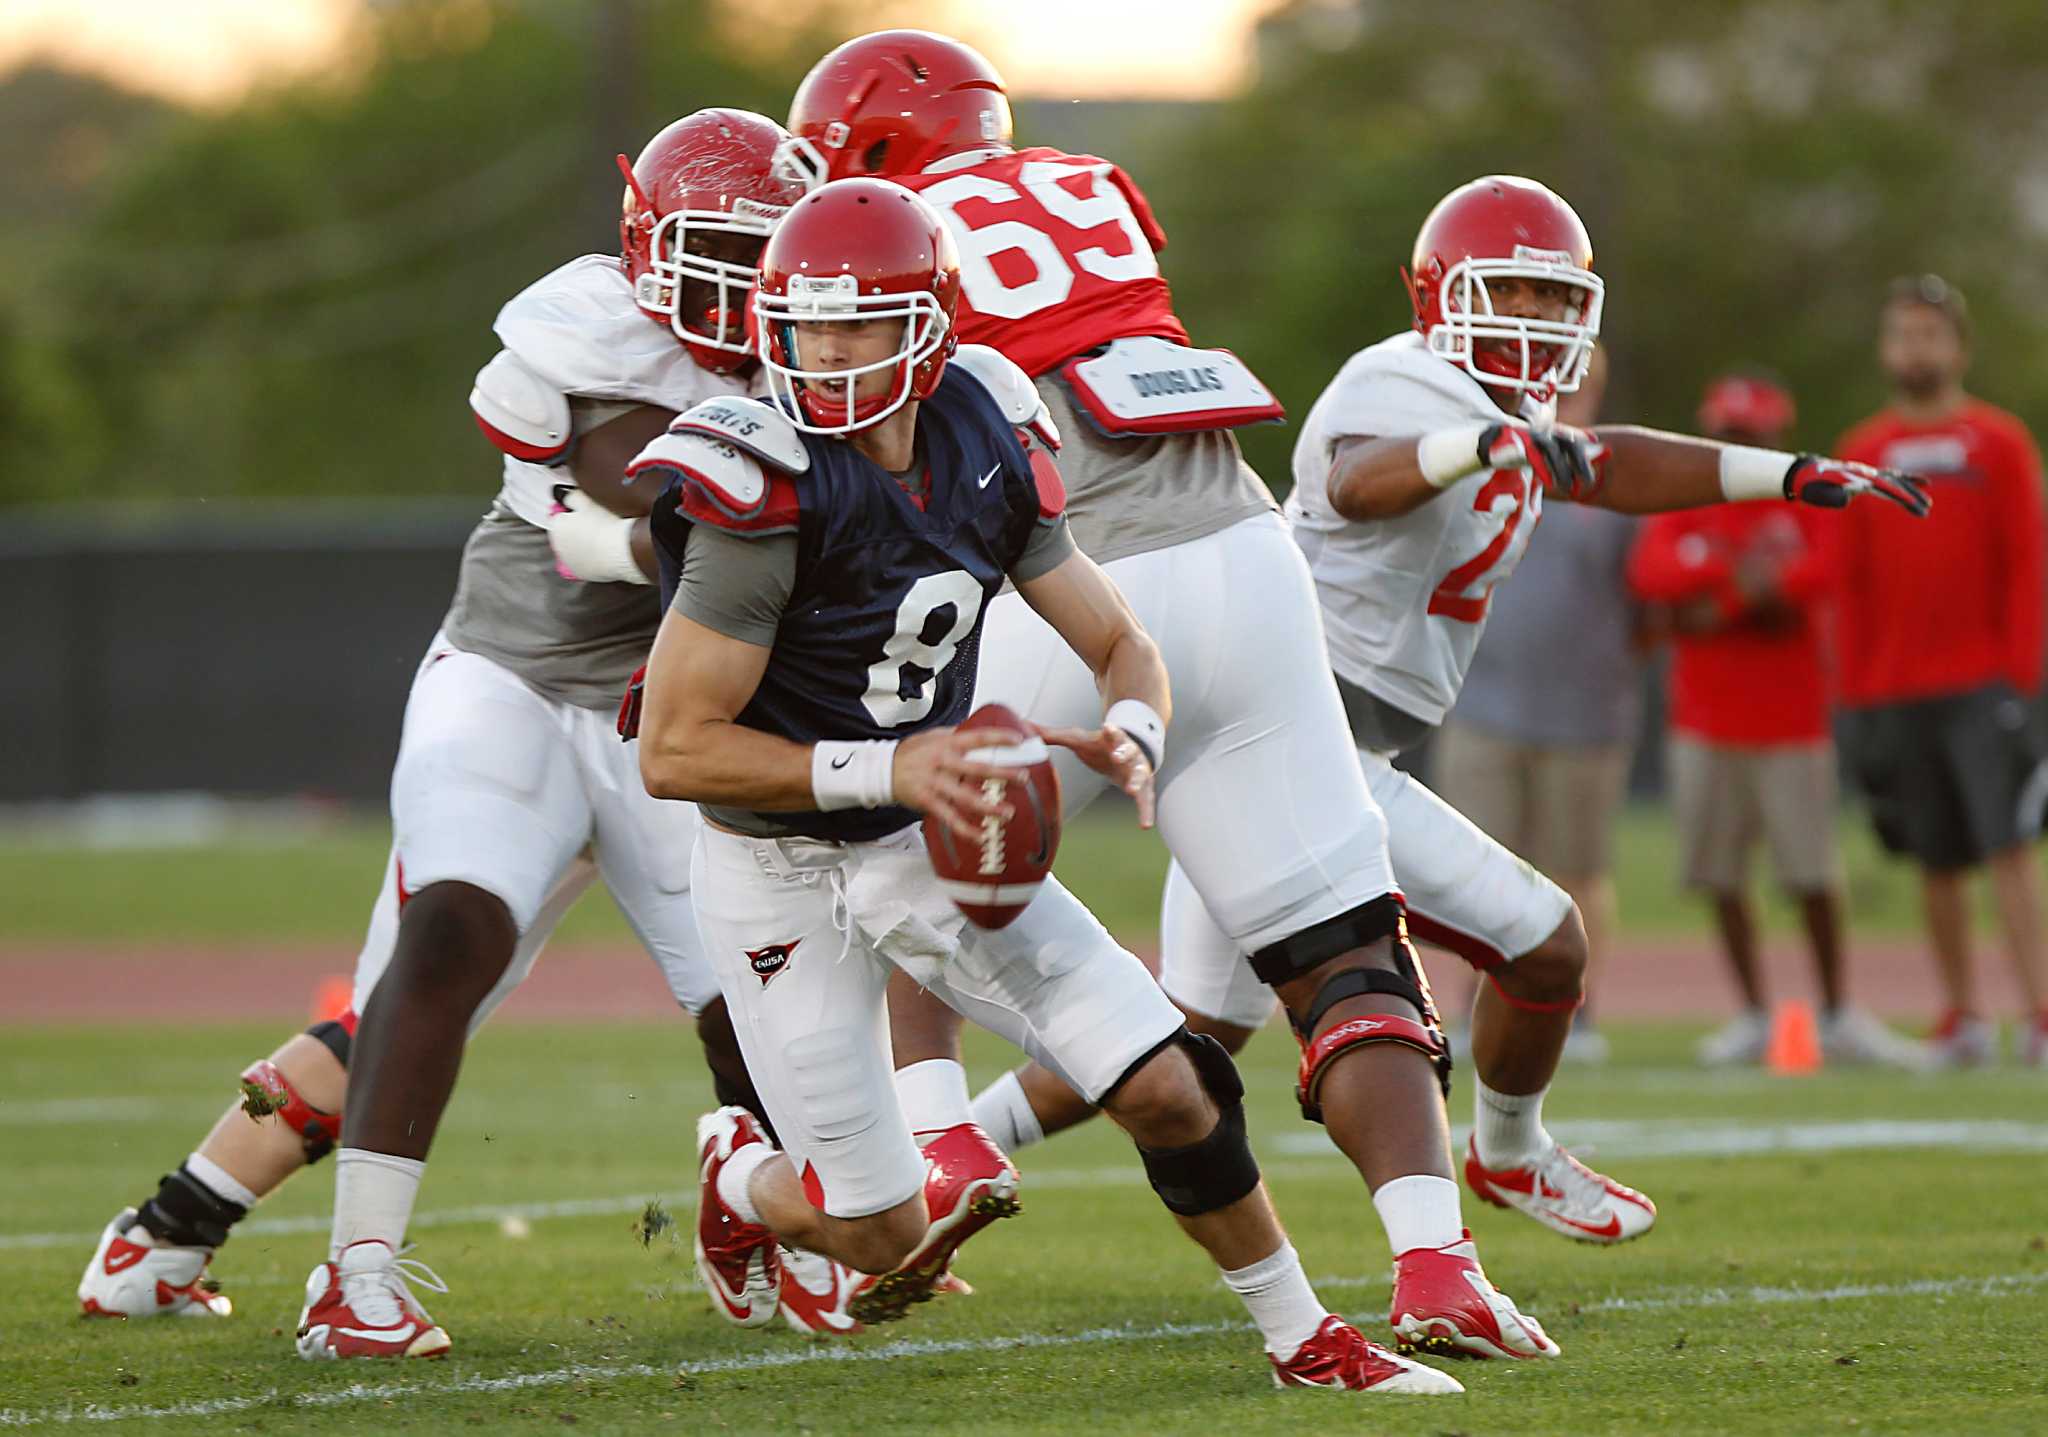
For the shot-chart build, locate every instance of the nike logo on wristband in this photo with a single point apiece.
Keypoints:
(842, 761)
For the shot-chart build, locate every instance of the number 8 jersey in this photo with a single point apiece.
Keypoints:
(1404, 600)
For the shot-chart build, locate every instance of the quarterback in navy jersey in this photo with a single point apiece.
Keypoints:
(827, 558)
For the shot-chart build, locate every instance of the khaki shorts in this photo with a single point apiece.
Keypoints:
(1726, 797)
(1554, 804)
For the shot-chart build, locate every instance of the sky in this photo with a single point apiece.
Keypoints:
(210, 51)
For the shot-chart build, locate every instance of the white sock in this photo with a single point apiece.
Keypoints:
(934, 1097)
(1004, 1113)
(1507, 1128)
(373, 1196)
(1277, 1295)
(221, 1182)
(735, 1180)
(1419, 1211)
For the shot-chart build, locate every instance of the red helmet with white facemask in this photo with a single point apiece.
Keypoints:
(892, 102)
(711, 173)
(1505, 227)
(853, 251)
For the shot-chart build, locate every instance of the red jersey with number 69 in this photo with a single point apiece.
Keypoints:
(1405, 599)
(1058, 253)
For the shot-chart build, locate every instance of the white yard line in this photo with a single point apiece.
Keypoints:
(1310, 1154)
(909, 1349)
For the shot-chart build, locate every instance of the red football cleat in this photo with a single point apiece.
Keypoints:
(1444, 1305)
(360, 1306)
(1564, 1195)
(815, 1291)
(1338, 1358)
(968, 1184)
(738, 1260)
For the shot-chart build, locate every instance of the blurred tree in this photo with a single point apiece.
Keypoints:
(1751, 173)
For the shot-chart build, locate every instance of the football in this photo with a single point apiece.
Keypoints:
(995, 879)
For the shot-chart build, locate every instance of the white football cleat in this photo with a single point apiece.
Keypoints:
(135, 1279)
(360, 1306)
(1443, 1304)
(1564, 1195)
(1339, 1359)
(1854, 1036)
(1963, 1040)
(1739, 1043)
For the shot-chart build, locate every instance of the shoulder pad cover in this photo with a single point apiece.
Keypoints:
(521, 412)
(758, 428)
(718, 483)
(1011, 388)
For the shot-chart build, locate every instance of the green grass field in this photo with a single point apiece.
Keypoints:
(314, 884)
(1882, 1289)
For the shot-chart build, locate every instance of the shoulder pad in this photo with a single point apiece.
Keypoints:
(718, 483)
(521, 412)
(758, 428)
(1011, 388)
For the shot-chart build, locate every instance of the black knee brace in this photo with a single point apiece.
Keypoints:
(187, 1213)
(1220, 1169)
(1309, 949)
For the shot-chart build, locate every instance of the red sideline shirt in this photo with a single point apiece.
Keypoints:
(1753, 683)
(1952, 602)
(1058, 253)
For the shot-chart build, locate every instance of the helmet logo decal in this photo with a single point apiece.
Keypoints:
(1529, 254)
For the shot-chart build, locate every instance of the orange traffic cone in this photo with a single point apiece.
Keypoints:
(332, 996)
(1795, 1039)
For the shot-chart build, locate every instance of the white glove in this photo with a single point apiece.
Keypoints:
(591, 543)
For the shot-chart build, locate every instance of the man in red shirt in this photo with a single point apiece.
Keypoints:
(1740, 588)
(1940, 652)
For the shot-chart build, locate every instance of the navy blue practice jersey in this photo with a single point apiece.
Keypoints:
(882, 632)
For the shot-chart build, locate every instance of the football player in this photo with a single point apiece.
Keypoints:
(1419, 477)
(1261, 800)
(510, 795)
(832, 555)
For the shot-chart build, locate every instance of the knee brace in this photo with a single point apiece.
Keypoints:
(1309, 949)
(267, 1092)
(1220, 1169)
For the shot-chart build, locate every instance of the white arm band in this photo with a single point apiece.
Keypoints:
(1449, 455)
(859, 773)
(1753, 473)
(1142, 726)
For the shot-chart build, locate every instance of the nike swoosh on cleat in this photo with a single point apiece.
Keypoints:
(116, 1261)
(380, 1334)
(1610, 1228)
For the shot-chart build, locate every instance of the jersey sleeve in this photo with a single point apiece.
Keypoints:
(1392, 394)
(1141, 208)
(1048, 547)
(735, 586)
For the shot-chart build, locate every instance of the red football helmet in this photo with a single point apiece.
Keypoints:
(1748, 405)
(892, 102)
(859, 249)
(1502, 227)
(710, 173)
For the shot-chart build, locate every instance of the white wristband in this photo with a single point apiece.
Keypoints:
(1753, 473)
(1449, 455)
(853, 774)
(1142, 725)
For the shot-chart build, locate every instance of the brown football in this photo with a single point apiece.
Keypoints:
(995, 879)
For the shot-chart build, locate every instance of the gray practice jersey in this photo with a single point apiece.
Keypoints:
(1133, 495)
(579, 329)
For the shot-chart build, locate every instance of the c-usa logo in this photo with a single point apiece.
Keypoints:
(769, 961)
